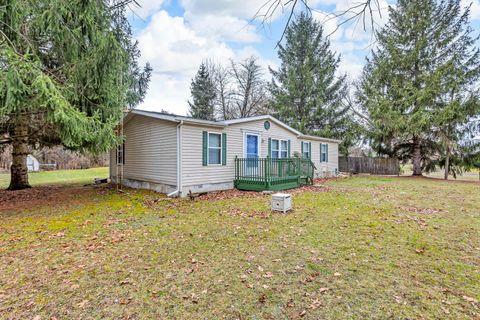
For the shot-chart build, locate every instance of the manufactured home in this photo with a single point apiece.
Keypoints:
(178, 155)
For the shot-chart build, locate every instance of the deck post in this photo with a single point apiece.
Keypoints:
(236, 171)
(267, 172)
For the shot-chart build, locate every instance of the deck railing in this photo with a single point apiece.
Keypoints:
(268, 173)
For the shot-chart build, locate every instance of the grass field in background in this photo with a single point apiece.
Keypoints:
(472, 175)
(82, 176)
(358, 248)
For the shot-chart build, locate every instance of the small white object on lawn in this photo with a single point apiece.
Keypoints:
(281, 202)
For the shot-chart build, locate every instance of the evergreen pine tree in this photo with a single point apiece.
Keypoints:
(67, 71)
(306, 91)
(418, 85)
(202, 89)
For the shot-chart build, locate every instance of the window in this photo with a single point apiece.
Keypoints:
(283, 149)
(279, 149)
(214, 148)
(323, 152)
(121, 153)
(306, 150)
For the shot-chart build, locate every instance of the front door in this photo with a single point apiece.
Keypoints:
(252, 153)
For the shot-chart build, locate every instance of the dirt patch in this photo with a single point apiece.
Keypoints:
(38, 197)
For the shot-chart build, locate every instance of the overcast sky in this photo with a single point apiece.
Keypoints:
(176, 35)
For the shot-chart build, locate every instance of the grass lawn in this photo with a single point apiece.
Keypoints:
(59, 177)
(358, 248)
(472, 175)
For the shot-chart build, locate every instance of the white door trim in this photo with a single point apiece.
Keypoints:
(245, 134)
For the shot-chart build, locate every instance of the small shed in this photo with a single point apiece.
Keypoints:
(32, 163)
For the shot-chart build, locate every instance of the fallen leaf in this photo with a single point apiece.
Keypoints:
(262, 298)
(194, 298)
(470, 299)
(83, 304)
(268, 275)
(315, 304)
(337, 274)
(303, 313)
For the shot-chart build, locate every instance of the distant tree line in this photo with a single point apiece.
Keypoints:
(63, 159)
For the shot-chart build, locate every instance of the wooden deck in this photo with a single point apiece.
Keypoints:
(260, 174)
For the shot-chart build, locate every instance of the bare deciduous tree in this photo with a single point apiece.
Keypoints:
(359, 12)
(223, 90)
(250, 95)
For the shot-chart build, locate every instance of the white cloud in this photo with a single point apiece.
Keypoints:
(227, 28)
(245, 9)
(474, 9)
(175, 52)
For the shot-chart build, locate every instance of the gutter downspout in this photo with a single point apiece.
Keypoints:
(178, 191)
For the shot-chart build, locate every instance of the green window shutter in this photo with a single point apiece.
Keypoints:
(288, 148)
(310, 150)
(269, 147)
(224, 149)
(301, 146)
(321, 145)
(326, 152)
(205, 148)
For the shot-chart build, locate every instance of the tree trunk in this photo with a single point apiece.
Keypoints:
(417, 157)
(19, 170)
(447, 163)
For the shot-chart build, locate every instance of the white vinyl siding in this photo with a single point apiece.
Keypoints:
(151, 155)
(150, 151)
(196, 174)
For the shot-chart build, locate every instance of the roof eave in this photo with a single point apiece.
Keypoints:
(304, 136)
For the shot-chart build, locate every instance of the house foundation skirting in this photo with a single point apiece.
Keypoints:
(138, 184)
(165, 188)
(207, 187)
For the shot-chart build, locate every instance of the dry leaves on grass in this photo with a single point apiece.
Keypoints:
(155, 204)
(311, 188)
(419, 210)
(39, 196)
(470, 299)
(230, 194)
(234, 211)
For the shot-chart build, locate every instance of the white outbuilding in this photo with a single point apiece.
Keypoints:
(32, 163)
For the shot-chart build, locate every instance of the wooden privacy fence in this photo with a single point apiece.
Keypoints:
(369, 165)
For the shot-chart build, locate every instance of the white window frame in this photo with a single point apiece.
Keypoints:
(280, 150)
(208, 148)
(323, 151)
(307, 145)
(251, 133)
